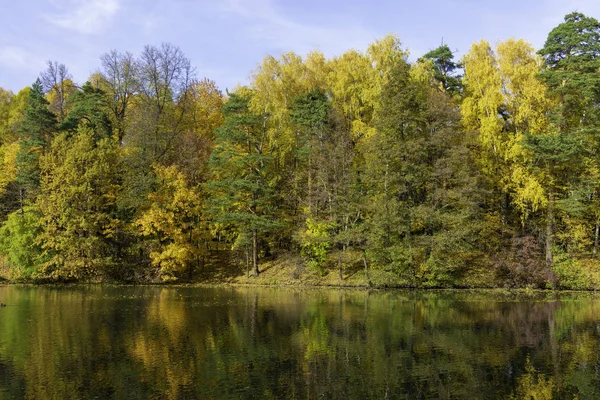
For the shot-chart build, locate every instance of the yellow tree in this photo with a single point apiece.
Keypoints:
(173, 222)
(275, 84)
(204, 101)
(8, 165)
(506, 104)
(356, 80)
(504, 101)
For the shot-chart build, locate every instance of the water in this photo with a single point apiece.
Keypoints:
(182, 342)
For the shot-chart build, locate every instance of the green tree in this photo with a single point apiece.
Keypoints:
(394, 174)
(36, 133)
(89, 107)
(445, 68)
(572, 56)
(78, 193)
(19, 242)
(241, 195)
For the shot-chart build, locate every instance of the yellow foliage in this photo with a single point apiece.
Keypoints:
(275, 84)
(483, 97)
(422, 72)
(528, 190)
(526, 97)
(8, 165)
(173, 220)
(534, 386)
(504, 101)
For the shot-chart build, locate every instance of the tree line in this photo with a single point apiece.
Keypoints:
(478, 172)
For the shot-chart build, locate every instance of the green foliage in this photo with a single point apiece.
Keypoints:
(89, 108)
(571, 272)
(445, 68)
(19, 242)
(311, 110)
(315, 243)
(412, 172)
(571, 53)
(241, 196)
(36, 132)
(77, 202)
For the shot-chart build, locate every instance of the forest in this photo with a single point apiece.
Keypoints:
(438, 172)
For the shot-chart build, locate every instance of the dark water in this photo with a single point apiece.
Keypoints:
(182, 342)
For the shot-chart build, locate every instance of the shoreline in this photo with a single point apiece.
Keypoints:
(475, 290)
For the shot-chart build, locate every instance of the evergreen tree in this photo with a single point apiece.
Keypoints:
(36, 133)
(89, 107)
(572, 55)
(242, 196)
(395, 173)
(445, 68)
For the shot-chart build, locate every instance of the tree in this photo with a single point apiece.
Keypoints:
(58, 85)
(174, 221)
(119, 75)
(393, 174)
(556, 159)
(89, 107)
(324, 179)
(164, 77)
(205, 102)
(156, 120)
(445, 68)
(572, 55)
(242, 197)
(12, 112)
(36, 133)
(19, 242)
(78, 204)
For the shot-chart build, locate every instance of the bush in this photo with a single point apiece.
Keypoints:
(315, 243)
(18, 242)
(524, 265)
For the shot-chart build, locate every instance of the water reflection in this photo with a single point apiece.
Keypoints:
(183, 342)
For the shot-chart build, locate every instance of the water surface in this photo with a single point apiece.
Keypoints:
(247, 343)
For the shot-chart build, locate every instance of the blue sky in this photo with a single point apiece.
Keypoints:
(226, 39)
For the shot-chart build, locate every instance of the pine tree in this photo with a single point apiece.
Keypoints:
(242, 196)
(36, 132)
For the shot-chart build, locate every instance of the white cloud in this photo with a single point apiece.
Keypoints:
(85, 16)
(16, 57)
(266, 23)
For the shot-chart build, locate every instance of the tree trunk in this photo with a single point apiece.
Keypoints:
(596, 235)
(549, 228)
(254, 253)
(366, 269)
(21, 201)
(247, 263)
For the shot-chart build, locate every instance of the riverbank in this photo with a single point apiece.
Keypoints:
(290, 270)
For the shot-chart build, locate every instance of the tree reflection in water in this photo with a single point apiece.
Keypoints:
(185, 342)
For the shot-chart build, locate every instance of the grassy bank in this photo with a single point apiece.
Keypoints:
(290, 270)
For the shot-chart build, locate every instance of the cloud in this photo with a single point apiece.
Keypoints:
(16, 57)
(85, 16)
(267, 23)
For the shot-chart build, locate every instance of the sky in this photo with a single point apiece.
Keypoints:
(226, 39)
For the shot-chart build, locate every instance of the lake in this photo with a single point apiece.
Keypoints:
(253, 343)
